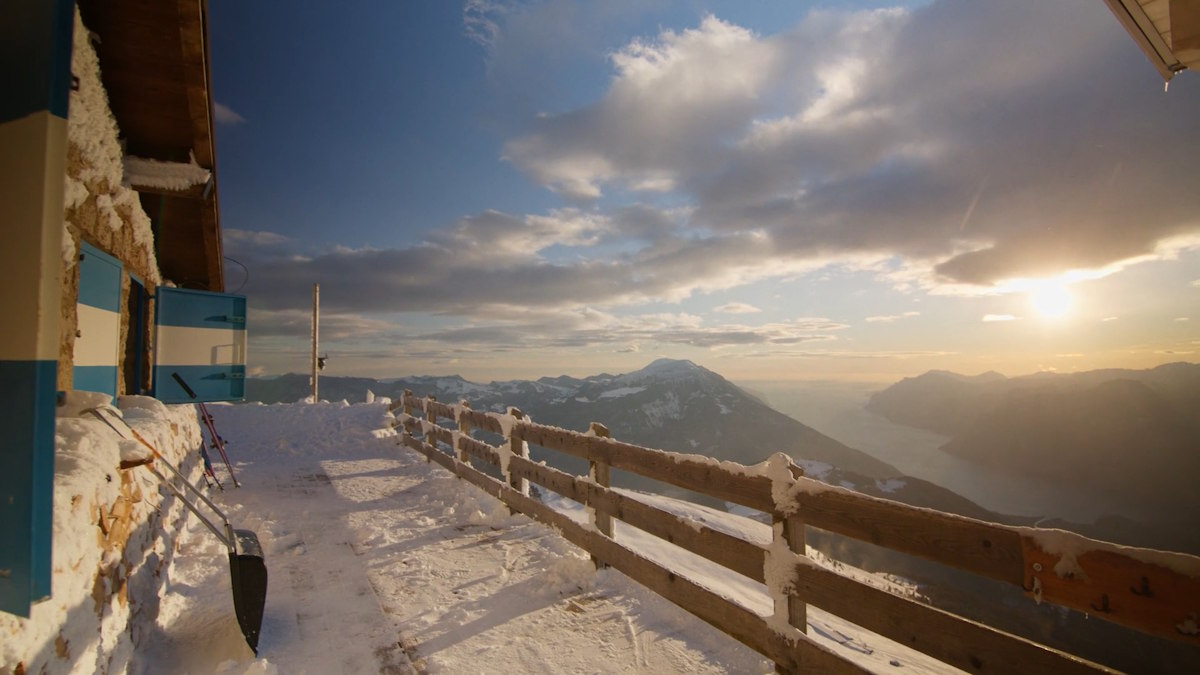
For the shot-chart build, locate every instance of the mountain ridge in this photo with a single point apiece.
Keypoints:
(672, 405)
(1130, 434)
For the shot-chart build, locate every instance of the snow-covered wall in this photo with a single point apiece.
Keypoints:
(98, 205)
(114, 538)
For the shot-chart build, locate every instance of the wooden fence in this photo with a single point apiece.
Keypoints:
(1153, 592)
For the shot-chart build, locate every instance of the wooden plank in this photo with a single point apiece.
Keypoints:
(478, 449)
(438, 409)
(414, 425)
(691, 472)
(483, 420)
(1145, 590)
(986, 549)
(430, 453)
(960, 642)
(734, 553)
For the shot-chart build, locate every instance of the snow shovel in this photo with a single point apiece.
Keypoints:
(247, 569)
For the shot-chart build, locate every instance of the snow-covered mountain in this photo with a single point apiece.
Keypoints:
(670, 404)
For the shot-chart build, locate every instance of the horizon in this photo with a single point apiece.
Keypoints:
(778, 191)
(747, 381)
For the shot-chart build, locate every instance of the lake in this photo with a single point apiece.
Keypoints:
(836, 409)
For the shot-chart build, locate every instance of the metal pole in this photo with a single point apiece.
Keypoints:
(315, 335)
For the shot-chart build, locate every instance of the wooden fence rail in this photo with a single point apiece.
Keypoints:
(1151, 591)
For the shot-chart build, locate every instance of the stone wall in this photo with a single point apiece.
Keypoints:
(114, 539)
(98, 207)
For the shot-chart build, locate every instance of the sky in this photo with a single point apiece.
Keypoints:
(775, 190)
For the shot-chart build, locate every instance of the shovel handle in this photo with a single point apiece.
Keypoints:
(195, 511)
(100, 416)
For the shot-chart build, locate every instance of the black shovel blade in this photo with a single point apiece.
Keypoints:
(249, 576)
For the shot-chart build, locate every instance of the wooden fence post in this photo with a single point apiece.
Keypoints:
(464, 428)
(406, 403)
(599, 472)
(517, 445)
(432, 417)
(792, 529)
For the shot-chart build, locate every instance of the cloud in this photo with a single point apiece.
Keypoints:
(254, 238)
(223, 114)
(890, 318)
(736, 308)
(1027, 145)
(584, 329)
(1031, 143)
(1108, 318)
(334, 326)
(844, 354)
(671, 102)
(989, 318)
(493, 261)
(481, 20)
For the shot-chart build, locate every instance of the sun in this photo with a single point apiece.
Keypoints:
(1051, 301)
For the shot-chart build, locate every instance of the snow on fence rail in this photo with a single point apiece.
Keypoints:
(1153, 592)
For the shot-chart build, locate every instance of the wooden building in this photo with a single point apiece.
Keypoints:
(108, 193)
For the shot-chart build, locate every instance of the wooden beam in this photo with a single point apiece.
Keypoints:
(691, 472)
(1146, 36)
(1154, 592)
(984, 548)
(734, 553)
(952, 639)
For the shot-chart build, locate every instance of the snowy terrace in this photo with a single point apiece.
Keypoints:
(382, 561)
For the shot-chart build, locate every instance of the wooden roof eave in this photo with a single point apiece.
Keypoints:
(1168, 51)
(154, 58)
(193, 32)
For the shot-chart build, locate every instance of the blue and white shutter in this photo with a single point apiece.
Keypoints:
(200, 338)
(98, 340)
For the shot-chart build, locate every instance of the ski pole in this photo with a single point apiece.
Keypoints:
(218, 442)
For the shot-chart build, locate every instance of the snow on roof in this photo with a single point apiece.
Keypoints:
(153, 173)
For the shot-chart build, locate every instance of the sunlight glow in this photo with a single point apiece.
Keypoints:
(1051, 301)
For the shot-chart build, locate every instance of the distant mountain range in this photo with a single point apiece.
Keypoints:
(1128, 433)
(671, 405)
(1134, 438)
